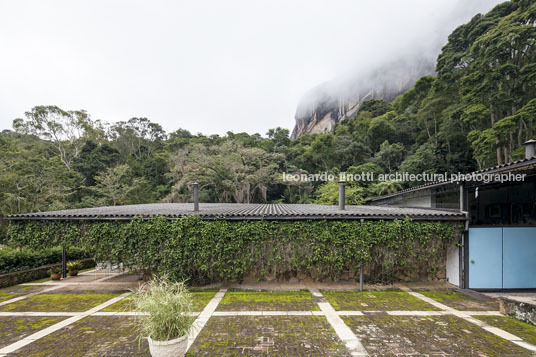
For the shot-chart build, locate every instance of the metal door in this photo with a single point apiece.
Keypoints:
(485, 258)
(519, 258)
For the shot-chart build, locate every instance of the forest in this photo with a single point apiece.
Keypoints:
(476, 112)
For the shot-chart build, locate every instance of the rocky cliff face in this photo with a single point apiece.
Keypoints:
(327, 104)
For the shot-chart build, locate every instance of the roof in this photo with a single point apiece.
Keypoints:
(511, 166)
(238, 211)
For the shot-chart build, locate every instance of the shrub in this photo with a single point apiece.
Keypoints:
(12, 259)
(76, 265)
(165, 308)
(55, 270)
(205, 251)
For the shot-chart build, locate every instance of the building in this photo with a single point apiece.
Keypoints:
(498, 247)
(286, 240)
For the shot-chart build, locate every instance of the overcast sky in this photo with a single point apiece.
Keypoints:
(206, 66)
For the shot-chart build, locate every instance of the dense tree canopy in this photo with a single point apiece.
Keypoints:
(475, 113)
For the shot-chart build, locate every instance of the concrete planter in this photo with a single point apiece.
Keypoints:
(176, 347)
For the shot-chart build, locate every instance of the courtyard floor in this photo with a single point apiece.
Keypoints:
(88, 316)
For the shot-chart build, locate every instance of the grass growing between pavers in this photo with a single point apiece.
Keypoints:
(200, 299)
(23, 289)
(375, 301)
(434, 335)
(58, 302)
(42, 280)
(13, 329)
(91, 336)
(8, 296)
(268, 301)
(460, 301)
(268, 335)
(519, 328)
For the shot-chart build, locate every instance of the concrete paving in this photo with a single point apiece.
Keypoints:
(354, 341)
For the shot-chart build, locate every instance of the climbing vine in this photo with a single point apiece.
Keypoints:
(215, 250)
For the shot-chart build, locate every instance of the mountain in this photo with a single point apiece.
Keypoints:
(327, 104)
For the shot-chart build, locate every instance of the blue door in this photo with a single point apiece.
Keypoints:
(519, 252)
(485, 258)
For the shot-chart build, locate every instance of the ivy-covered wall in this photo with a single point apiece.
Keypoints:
(217, 250)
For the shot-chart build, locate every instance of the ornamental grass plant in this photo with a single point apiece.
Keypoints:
(165, 309)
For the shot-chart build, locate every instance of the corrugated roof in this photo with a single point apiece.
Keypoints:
(515, 165)
(237, 211)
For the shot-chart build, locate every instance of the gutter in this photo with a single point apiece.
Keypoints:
(246, 218)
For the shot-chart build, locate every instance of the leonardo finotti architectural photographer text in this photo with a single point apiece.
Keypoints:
(405, 177)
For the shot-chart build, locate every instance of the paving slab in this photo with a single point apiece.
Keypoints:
(518, 328)
(375, 301)
(51, 302)
(266, 301)
(90, 336)
(16, 328)
(23, 289)
(268, 335)
(429, 335)
(9, 296)
(461, 301)
(200, 300)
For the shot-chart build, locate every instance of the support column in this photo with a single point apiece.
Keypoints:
(63, 263)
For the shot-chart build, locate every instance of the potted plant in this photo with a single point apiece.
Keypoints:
(74, 268)
(55, 273)
(164, 316)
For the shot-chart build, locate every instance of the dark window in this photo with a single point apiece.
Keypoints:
(507, 204)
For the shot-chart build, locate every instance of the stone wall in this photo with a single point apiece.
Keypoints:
(41, 272)
(522, 311)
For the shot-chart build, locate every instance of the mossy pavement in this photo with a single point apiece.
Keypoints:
(460, 301)
(273, 335)
(14, 328)
(58, 302)
(23, 289)
(515, 327)
(8, 296)
(91, 336)
(200, 300)
(268, 301)
(428, 335)
(375, 301)
(268, 335)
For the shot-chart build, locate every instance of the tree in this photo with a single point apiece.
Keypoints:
(390, 155)
(232, 172)
(95, 158)
(422, 161)
(138, 138)
(376, 107)
(65, 129)
(386, 187)
(328, 194)
(114, 185)
(380, 129)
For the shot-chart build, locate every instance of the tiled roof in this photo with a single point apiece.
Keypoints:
(237, 211)
(511, 166)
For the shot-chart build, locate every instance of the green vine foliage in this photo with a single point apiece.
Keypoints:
(204, 251)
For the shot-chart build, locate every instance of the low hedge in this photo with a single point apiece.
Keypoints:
(14, 259)
(218, 250)
(27, 275)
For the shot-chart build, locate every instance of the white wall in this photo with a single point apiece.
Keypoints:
(453, 264)
(423, 201)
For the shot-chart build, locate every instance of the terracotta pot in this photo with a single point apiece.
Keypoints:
(176, 347)
(73, 272)
(56, 276)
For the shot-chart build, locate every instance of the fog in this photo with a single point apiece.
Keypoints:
(206, 66)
